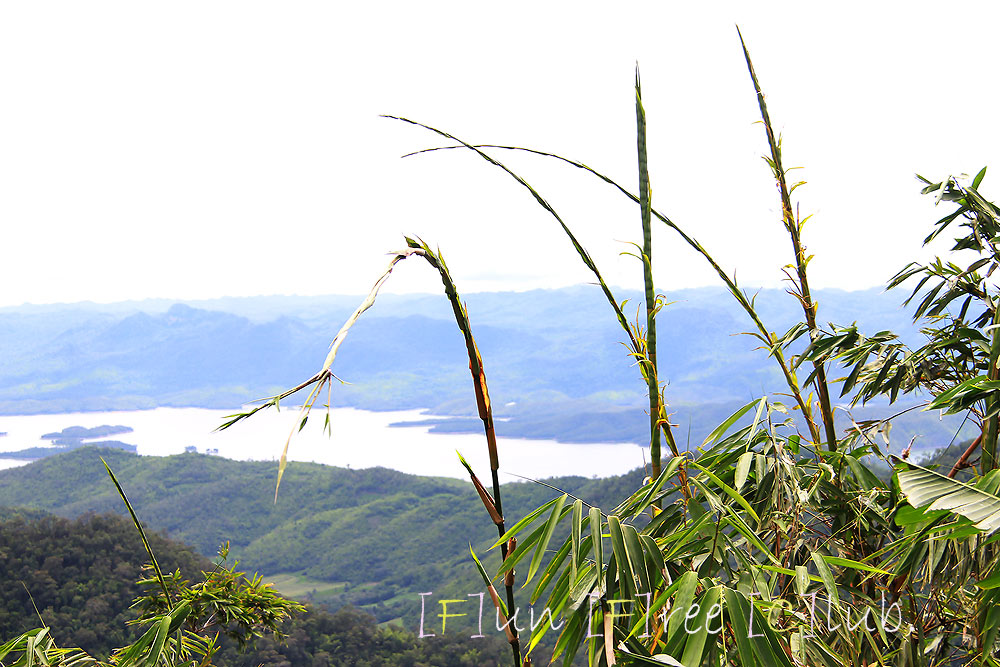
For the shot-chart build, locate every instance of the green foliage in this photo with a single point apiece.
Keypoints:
(82, 575)
(179, 623)
(769, 522)
(349, 528)
(778, 540)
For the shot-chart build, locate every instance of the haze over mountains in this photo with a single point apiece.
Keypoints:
(552, 357)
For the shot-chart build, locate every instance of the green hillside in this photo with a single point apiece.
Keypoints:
(374, 538)
(81, 575)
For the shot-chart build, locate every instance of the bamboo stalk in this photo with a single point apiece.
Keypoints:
(990, 438)
(493, 505)
(485, 414)
(963, 460)
(649, 362)
(763, 333)
(794, 227)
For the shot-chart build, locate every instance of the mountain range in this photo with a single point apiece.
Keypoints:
(555, 366)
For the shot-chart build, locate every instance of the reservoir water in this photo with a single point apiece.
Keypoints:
(360, 439)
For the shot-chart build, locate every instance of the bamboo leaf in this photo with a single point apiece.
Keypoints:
(685, 596)
(938, 492)
(516, 528)
(978, 179)
(729, 491)
(546, 536)
(550, 571)
(626, 572)
(694, 648)
(142, 533)
(990, 582)
(756, 642)
(847, 562)
(637, 558)
(743, 469)
(827, 577)
(801, 580)
(596, 533)
(576, 527)
(489, 585)
(721, 429)
(156, 650)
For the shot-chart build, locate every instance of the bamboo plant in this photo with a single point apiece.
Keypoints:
(779, 539)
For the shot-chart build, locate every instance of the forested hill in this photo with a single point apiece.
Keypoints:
(540, 348)
(81, 575)
(371, 537)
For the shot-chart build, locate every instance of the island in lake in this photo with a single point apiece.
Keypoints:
(74, 437)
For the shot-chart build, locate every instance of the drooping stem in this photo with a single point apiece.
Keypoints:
(745, 302)
(485, 411)
(416, 247)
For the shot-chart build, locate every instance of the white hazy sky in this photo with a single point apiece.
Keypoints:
(201, 149)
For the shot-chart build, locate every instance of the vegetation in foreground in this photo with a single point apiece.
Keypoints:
(81, 575)
(349, 528)
(774, 543)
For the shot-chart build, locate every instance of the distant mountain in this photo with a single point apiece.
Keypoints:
(552, 357)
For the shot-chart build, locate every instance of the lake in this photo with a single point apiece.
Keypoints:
(360, 439)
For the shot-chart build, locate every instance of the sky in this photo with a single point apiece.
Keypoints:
(203, 149)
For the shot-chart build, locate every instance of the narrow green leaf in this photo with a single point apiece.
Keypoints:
(729, 491)
(743, 469)
(656, 605)
(827, 577)
(522, 523)
(688, 582)
(156, 650)
(550, 571)
(978, 179)
(576, 527)
(486, 579)
(801, 580)
(543, 542)
(653, 555)
(694, 648)
(637, 558)
(847, 562)
(721, 429)
(626, 574)
(142, 533)
(596, 533)
(908, 515)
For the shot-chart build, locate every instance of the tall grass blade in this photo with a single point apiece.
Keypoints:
(142, 533)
